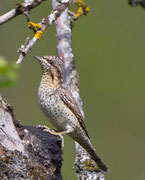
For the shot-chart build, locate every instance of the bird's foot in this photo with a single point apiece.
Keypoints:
(51, 131)
(45, 128)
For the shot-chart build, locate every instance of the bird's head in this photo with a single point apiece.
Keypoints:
(51, 66)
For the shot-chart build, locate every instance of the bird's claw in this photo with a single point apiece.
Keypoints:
(53, 132)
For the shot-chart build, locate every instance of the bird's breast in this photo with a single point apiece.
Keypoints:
(55, 110)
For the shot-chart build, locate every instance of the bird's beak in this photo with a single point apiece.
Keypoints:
(38, 58)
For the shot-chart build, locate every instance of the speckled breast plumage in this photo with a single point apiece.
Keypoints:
(54, 109)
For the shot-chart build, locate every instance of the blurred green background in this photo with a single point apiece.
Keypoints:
(109, 48)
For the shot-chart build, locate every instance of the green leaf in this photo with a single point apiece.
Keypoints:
(8, 73)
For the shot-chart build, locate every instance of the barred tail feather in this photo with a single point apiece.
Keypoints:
(87, 145)
(98, 161)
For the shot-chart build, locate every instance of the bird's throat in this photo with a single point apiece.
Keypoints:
(49, 81)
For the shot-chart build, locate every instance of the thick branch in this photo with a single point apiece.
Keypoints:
(64, 49)
(27, 152)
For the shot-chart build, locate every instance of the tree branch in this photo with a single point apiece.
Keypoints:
(20, 9)
(27, 152)
(137, 2)
(42, 27)
(24, 8)
(64, 49)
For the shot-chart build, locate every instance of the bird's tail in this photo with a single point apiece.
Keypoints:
(89, 148)
(98, 161)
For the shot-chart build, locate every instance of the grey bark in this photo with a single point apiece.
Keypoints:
(27, 152)
(64, 50)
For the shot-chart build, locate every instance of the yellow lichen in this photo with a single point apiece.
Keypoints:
(38, 34)
(79, 2)
(87, 9)
(82, 8)
(89, 165)
(34, 26)
(79, 12)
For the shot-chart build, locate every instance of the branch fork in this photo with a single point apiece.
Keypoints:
(40, 27)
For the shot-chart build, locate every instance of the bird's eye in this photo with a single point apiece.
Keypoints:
(51, 62)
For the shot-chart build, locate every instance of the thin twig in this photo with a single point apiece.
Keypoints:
(20, 9)
(44, 24)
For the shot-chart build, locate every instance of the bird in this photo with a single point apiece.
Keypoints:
(60, 108)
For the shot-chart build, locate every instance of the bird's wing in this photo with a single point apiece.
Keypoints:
(70, 102)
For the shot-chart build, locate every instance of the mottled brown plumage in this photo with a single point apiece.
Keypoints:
(59, 106)
(67, 98)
